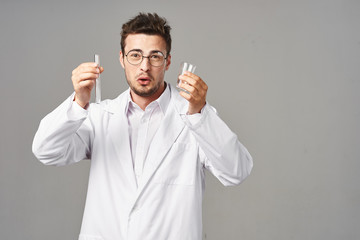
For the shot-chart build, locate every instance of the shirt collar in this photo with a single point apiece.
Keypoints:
(162, 101)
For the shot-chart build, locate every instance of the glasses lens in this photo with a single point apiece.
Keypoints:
(134, 57)
(156, 59)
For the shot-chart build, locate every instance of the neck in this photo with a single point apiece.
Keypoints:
(143, 102)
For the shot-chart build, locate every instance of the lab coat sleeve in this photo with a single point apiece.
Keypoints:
(220, 150)
(64, 135)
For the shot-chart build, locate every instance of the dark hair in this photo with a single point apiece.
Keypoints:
(147, 23)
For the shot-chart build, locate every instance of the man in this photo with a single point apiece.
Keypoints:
(148, 148)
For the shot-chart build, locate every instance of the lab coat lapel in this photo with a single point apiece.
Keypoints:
(119, 134)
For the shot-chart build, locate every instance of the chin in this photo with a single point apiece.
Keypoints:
(143, 92)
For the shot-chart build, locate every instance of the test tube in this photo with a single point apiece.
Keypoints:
(185, 66)
(98, 82)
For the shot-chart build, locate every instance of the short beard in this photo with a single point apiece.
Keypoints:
(144, 92)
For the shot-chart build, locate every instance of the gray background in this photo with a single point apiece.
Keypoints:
(284, 75)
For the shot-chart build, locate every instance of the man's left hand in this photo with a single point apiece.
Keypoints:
(197, 89)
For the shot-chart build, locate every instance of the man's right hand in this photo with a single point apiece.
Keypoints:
(83, 78)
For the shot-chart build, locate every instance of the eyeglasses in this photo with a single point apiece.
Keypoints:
(135, 57)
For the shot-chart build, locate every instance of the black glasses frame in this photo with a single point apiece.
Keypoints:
(148, 57)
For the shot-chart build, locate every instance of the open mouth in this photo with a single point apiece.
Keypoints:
(144, 80)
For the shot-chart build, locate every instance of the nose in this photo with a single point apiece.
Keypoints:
(145, 64)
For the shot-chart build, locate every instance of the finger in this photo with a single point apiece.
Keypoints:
(88, 69)
(185, 95)
(190, 74)
(191, 98)
(89, 64)
(201, 88)
(87, 83)
(87, 76)
(193, 80)
(191, 89)
(83, 66)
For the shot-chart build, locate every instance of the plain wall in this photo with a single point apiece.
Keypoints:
(284, 75)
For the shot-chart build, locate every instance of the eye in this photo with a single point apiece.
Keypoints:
(135, 55)
(158, 57)
(155, 56)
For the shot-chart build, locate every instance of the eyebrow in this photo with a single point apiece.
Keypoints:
(139, 50)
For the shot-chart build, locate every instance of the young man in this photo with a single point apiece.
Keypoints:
(148, 148)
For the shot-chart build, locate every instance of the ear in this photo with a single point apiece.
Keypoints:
(168, 62)
(121, 59)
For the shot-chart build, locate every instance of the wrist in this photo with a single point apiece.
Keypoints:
(82, 104)
(194, 110)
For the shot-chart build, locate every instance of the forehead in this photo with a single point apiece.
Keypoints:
(145, 42)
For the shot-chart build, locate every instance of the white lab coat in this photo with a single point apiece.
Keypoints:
(167, 203)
